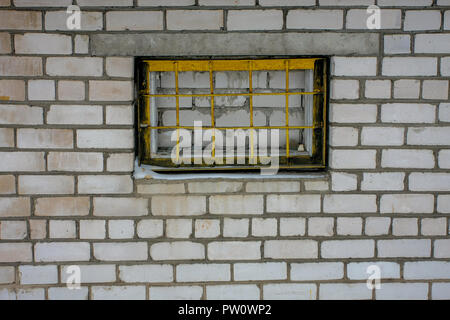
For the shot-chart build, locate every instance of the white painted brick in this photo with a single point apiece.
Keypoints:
(120, 162)
(121, 251)
(317, 271)
(214, 187)
(341, 181)
(376, 226)
(71, 90)
(442, 248)
(404, 248)
(203, 272)
(290, 249)
(432, 43)
(6, 137)
(444, 112)
(92, 273)
(92, 229)
(406, 89)
(345, 2)
(321, 227)
(108, 90)
(405, 227)
(178, 205)
(20, 66)
(180, 250)
(38, 229)
(349, 226)
(150, 228)
(273, 186)
(260, 271)
(105, 139)
(435, 89)
(57, 20)
(443, 203)
(343, 136)
(119, 115)
(378, 89)
(409, 66)
(434, 227)
(270, 3)
(45, 138)
(404, 3)
(354, 66)
(290, 291)
(444, 159)
(42, 3)
(22, 294)
(41, 90)
(178, 228)
(121, 229)
(62, 251)
(235, 227)
(134, 20)
(353, 159)
(64, 293)
(15, 252)
(447, 20)
(445, 63)
(118, 293)
(349, 203)
(402, 291)
(429, 181)
(38, 43)
(315, 19)
(422, 20)
(292, 226)
(105, 3)
(254, 20)
(161, 188)
(407, 203)
(195, 19)
(390, 19)
(353, 113)
(358, 270)
(7, 184)
(234, 250)
(13, 230)
(408, 113)
(207, 228)
(14, 207)
(105, 184)
(7, 275)
(146, 273)
(62, 229)
(382, 136)
(236, 204)
(62, 206)
(176, 293)
(344, 89)
(75, 67)
(233, 292)
(426, 270)
(348, 249)
(428, 136)
(293, 203)
(316, 185)
(264, 227)
(81, 44)
(440, 291)
(383, 181)
(344, 291)
(397, 44)
(398, 158)
(226, 2)
(46, 185)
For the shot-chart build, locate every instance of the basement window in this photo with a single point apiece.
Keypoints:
(232, 114)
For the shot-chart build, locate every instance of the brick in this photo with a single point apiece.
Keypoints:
(432, 43)
(6, 138)
(264, 227)
(272, 186)
(207, 228)
(422, 20)
(178, 228)
(15, 252)
(397, 44)
(347, 291)
(357, 19)
(38, 229)
(227, 2)
(233, 292)
(434, 227)
(426, 270)
(105, 139)
(349, 203)
(445, 65)
(194, 19)
(7, 275)
(7, 184)
(315, 19)
(178, 205)
(290, 291)
(435, 89)
(62, 206)
(349, 226)
(14, 207)
(293, 203)
(123, 251)
(406, 89)
(5, 43)
(406, 203)
(358, 270)
(118, 292)
(344, 89)
(254, 20)
(176, 293)
(164, 3)
(378, 89)
(234, 250)
(429, 181)
(74, 67)
(353, 159)
(382, 136)
(354, 66)
(57, 20)
(161, 188)
(440, 291)
(405, 3)
(316, 185)
(180, 250)
(343, 136)
(20, 20)
(22, 161)
(317, 271)
(428, 136)
(116, 207)
(120, 67)
(121, 229)
(13, 230)
(408, 113)
(62, 251)
(236, 204)
(402, 291)
(345, 2)
(377, 226)
(101, 184)
(38, 274)
(63, 293)
(46, 184)
(42, 3)
(260, 271)
(38, 43)
(134, 20)
(444, 112)
(290, 249)
(20, 66)
(383, 181)
(320, 227)
(405, 227)
(62, 229)
(444, 159)
(146, 273)
(107, 90)
(341, 181)
(214, 187)
(353, 113)
(442, 248)
(404, 248)
(235, 227)
(92, 229)
(203, 272)
(13, 89)
(292, 226)
(71, 90)
(120, 162)
(119, 115)
(443, 204)
(105, 3)
(348, 249)
(41, 90)
(81, 44)
(75, 161)
(409, 66)
(397, 158)
(45, 138)
(92, 273)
